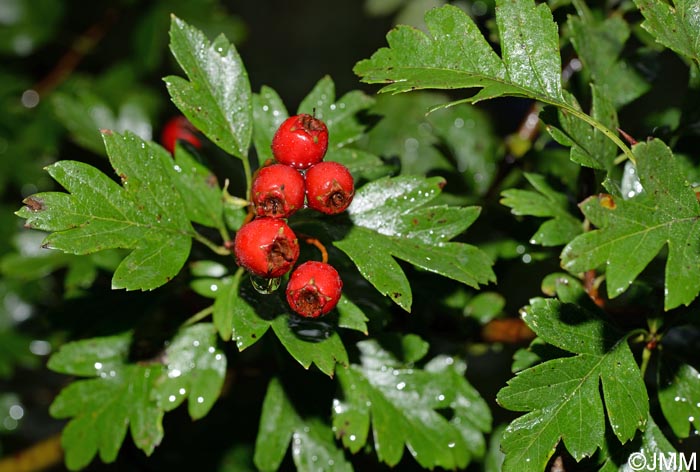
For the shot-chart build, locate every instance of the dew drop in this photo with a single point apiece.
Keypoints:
(195, 343)
(182, 391)
(265, 285)
(177, 168)
(98, 365)
(400, 385)
(451, 445)
(352, 437)
(174, 373)
(172, 398)
(211, 350)
(200, 399)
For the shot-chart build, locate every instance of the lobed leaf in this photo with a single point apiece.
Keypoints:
(679, 396)
(103, 408)
(545, 202)
(563, 396)
(391, 222)
(455, 54)
(146, 214)
(599, 43)
(589, 146)
(195, 370)
(401, 404)
(217, 98)
(673, 24)
(665, 213)
(241, 314)
(312, 441)
(199, 189)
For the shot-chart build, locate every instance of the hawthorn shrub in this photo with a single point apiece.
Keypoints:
(518, 301)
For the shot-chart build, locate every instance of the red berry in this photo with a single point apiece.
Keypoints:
(329, 187)
(179, 128)
(266, 247)
(314, 289)
(300, 141)
(277, 191)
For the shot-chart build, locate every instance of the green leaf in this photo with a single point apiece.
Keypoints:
(103, 408)
(679, 396)
(530, 65)
(468, 134)
(195, 370)
(217, 98)
(234, 317)
(675, 26)
(589, 146)
(85, 114)
(390, 221)
(199, 189)
(545, 202)
(339, 115)
(647, 449)
(665, 213)
(146, 214)
(91, 357)
(599, 43)
(563, 396)
(351, 316)
(268, 114)
(401, 403)
(246, 317)
(313, 447)
(323, 346)
(404, 131)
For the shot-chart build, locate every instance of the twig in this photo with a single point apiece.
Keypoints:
(80, 48)
(40, 456)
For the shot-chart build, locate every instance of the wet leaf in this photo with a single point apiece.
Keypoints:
(679, 396)
(556, 393)
(673, 24)
(195, 370)
(103, 408)
(401, 403)
(199, 188)
(599, 43)
(589, 146)
(666, 213)
(217, 98)
(391, 221)
(544, 202)
(339, 115)
(145, 215)
(313, 447)
(268, 114)
(530, 64)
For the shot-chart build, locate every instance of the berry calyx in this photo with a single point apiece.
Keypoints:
(177, 129)
(266, 247)
(314, 289)
(329, 187)
(277, 191)
(301, 141)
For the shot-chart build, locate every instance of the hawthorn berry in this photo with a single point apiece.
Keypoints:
(266, 247)
(301, 141)
(277, 191)
(329, 187)
(179, 128)
(314, 289)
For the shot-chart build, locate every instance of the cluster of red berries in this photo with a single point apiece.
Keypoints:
(266, 246)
